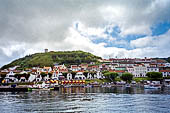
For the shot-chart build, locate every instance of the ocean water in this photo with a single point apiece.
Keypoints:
(90, 100)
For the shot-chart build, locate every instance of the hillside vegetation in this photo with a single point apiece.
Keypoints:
(51, 58)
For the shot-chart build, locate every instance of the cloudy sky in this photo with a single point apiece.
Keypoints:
(115, 28)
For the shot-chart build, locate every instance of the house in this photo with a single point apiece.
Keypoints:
(120, 68)
(75, 68)
(130, 70)
(94, 68)
(89, 76)
(152, 69)
(32, 77)
(69, 76)
(22, 79)
(120, 72)
(83, 66)
(165, 73)
(126, 64)
(38, 78)
(79, 76)
(140, 70)
(54, 76)
(46, 78)
(98, 75)
(47, 69)
(10, 77)
(60, 76)
(62, 69)
(167, 64)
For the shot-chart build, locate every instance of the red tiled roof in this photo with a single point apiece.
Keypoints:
(118, 71)
(164, 71)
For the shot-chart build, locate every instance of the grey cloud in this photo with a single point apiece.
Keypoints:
(45, 23)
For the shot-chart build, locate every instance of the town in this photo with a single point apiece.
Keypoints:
(88, 73)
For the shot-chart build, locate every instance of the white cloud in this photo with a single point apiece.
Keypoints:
(36, 25)
(161, 42)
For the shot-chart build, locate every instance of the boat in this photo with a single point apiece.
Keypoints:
(107, 85)
(87, 86)
(9, 89)
(127, 86)
(43, 86)
(149, 86)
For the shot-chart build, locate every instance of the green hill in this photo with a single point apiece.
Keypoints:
(50, 58)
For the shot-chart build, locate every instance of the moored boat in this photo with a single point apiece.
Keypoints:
(149, 86)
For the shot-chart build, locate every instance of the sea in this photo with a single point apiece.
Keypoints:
(87, 100)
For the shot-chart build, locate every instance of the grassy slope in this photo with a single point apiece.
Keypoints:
(48, 59)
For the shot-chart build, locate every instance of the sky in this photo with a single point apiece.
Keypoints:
(106, 28)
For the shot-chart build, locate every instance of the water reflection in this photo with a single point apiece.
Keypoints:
(78, 99)
(117, 90)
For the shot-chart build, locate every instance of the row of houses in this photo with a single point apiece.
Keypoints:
(138, 67)
(36, 76)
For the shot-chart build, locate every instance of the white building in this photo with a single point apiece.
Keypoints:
(139, 70)
(98, 75)
(10, 77)
(165, 73)
(130, 70)
(167, 64)
(22, 79)
(38, 78)
(75, 68)
(79, 76)
(46, 78)
(32, 77)
(152, 69)
(69, 76)
(54, 76)
(89, 76)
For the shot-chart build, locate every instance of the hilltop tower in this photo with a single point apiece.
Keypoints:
(46, 50)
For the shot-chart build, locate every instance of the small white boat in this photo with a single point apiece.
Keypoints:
(106, 86)
(127, 85)
(152, 86)
(87, 86)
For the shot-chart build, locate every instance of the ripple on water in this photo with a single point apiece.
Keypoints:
(38, 101)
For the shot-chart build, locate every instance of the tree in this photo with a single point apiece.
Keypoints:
(103, 72)
(154, 75)
(111, 75)
(127, 77)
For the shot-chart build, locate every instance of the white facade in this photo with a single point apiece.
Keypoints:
(152, 69)
(22, 79)
(46, 78)
(89, 76)
(126, 65)
(98, 75)
(32, 77)
(130, 70)
(138, 70)
(165, 73)
(80, 76)
(10, 77)
(75, 68)
(38, 78)
(69, 76)
(54, 76)
(167, 64)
